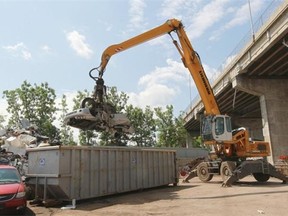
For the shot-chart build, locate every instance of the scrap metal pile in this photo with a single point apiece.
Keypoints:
(14, 143)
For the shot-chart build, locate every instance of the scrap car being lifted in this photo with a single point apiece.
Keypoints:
(98, 114)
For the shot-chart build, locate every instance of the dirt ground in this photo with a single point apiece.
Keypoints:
(247, 197)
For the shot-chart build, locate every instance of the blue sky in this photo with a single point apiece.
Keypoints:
(60, 41)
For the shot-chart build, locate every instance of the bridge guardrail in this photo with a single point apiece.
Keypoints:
(237, 51)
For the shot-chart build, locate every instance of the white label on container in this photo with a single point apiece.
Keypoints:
(42, 162)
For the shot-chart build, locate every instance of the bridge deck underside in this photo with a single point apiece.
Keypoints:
(272, 64)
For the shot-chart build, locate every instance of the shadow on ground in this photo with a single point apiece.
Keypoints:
(133, 198)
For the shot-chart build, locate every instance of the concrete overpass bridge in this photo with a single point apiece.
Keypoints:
(253, 88)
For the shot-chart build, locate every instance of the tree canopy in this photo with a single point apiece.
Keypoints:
(36, 103)
(171, 131)
(143, 124)
(66, 134)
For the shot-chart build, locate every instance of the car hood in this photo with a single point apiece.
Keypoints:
(9, 188)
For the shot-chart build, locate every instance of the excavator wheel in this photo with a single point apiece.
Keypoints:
(203, 172)
(226, 169)
(261, 177)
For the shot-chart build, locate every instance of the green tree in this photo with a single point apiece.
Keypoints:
(66, 135)
(14, 106)
(2, 120)
(36, 103)
(118, 100)
(143, 124)
(170, 130)
(181, 132)
(117, 139)
(79, 98)
(197, 142)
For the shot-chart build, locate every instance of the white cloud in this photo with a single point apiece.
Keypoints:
(200, 15)
(174, 71)
(211, 73)
(240, 15)
(77, 43)
(136, 13)
(161, 86)
(156, 95)
(19, 50)
(207, 17)
(26, 55)
(46, 48)
(170, 9)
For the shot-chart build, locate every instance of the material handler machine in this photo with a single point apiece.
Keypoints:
(237, 155)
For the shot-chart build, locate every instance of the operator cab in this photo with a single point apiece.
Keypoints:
(216, 128)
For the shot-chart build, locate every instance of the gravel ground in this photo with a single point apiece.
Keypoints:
(245, 198)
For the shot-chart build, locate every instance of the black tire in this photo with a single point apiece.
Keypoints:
(261, 177)
(203, 172)
(226, 169)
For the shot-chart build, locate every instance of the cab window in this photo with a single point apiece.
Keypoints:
(219, 125)
(228, 124)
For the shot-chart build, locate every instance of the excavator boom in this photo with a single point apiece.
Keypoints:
(189, 57)
(167, 27)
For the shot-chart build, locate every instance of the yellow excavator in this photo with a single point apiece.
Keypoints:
(232, 147)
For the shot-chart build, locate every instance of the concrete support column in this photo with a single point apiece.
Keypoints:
(190, 137)
(273, 94)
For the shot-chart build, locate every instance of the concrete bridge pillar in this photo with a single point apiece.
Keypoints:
(273, 96)
(190, 136)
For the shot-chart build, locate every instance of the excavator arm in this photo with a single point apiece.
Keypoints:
(189, 57)
(167, 27)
